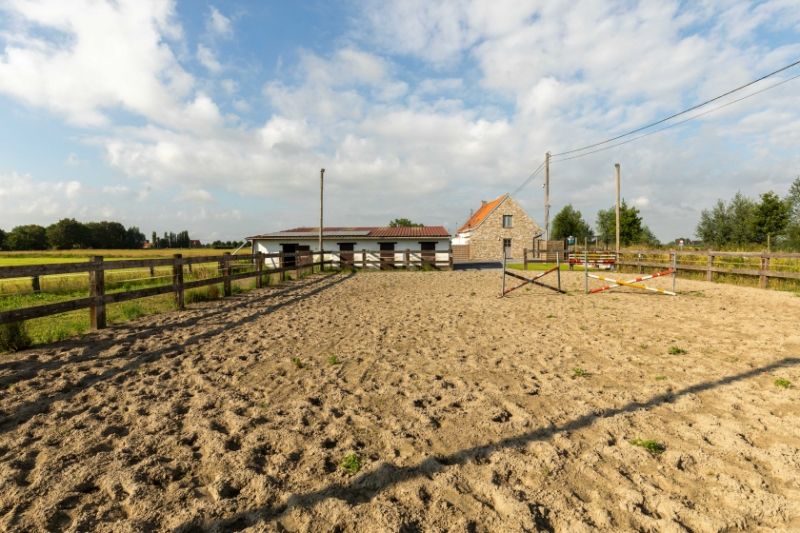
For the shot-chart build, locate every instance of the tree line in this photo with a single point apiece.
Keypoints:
(569, 222)
(740, 222)
(68, 234)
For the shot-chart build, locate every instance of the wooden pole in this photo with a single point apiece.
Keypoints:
(586, 265)
(709, 266)
(617, 172)
(177, 280)
(226, 273)
(35, 284)
(259, 270)
(97, 310)
(524, 259)
(546, 197)
(321, 179)
(558, 272)
(674, 269)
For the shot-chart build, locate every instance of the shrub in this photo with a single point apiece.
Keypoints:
(675, 350)
(14, 337)
(783, 383)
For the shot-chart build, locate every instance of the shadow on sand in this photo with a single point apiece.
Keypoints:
(366, 486)
(29, 369)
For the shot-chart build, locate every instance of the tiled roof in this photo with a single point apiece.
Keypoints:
(410, 232)
(364, 232)
(481, 214)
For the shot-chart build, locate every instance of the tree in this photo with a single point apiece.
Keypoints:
(2, 240)
(793, 227)
(29, 237)
(714, 227)
(107, 235)
(631, 228)
(154, 240)
(569, 222)
(740, 216)
(134, 238)
(770, 217)
(404, 223)
(66, 234)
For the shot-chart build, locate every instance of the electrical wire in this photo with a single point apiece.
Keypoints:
(661, 121)
(528, 179)
(684, 121)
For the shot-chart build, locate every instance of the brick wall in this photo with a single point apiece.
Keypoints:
(486, 242)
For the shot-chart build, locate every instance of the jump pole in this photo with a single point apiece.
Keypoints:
(623, 283)
(614, 282)
(674, 268)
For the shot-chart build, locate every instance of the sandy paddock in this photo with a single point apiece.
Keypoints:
(463, 408)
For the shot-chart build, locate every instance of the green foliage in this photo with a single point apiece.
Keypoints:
(67, 233)
(297, 362)
(14, 337)
(351, 464)
(132, 311)
(204, 294)
(783, 383)
(675, 350)
(29, 237)
(569, 222)
(660, 377)
(632, 229)
(770, 217)
(333, 360)
(744, 221)
(579, 373)
(404, 223)
(2, 240)
(652, 446)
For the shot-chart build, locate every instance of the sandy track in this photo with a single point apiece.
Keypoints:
(462, 406)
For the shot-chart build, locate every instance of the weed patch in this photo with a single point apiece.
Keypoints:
(579, 373)
(675, 350)
(652, 446)
(14, 337)
(351, 464)
(783, 383)
(297, 362)
(333, 360)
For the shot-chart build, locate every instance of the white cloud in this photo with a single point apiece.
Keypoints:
(72, 160)
(197, 195)
(219, 24)
(23, 198)
(208, 59)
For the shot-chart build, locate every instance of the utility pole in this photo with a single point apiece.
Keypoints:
(616, 169)
(546, 197)
(321, 176)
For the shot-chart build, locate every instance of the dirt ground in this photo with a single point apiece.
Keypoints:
(466, 412)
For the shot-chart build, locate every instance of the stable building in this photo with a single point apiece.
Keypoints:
(498, 225)
(379, 246)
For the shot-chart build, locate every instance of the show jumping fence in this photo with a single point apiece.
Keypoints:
(229, 268)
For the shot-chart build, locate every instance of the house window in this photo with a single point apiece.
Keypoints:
(507, 247)
(506, 221)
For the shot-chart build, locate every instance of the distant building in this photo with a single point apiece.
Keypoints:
(498, 225)
(147, 244)
(194, 243)
(384, 244)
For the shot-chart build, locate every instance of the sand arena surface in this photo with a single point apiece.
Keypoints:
(462, 407)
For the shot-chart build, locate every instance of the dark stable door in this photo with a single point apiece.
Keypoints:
(387, 255)
(346, 253)
(304, 255)
(428, 252)
(289, 251)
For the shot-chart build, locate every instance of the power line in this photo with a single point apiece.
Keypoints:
(661, 121)
(528, 179)
(765, 89)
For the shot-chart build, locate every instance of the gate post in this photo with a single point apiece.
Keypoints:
(97, 289)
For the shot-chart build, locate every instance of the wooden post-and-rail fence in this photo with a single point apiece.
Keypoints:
(706, 262)
(229, 267)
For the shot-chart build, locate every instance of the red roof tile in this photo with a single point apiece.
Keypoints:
(479, 215)
(410, 232)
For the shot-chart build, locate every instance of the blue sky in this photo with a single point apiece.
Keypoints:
(216, 116)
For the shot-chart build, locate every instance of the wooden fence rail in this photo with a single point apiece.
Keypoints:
(228, 266)
(705, 262)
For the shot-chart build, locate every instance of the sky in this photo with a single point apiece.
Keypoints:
(216, 117)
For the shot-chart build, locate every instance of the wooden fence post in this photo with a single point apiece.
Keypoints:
(152, 271)
(282, 266)
(407, 259)
(97, 289)
(226, 272)
(177, 280)
(762, 275)
(450, 258)
(639, 260)
(709, 266)
(363, 258)
(259, 270)
(35, 285)
(524, 259)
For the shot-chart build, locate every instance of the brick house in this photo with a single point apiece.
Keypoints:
(496, 225)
